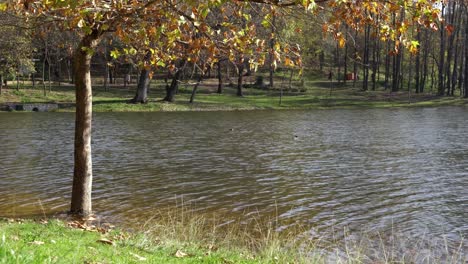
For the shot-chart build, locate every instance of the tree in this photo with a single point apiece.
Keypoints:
(162, 27)
(15, 47)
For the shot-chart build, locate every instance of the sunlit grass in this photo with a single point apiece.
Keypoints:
(182, 235)
(314, 94)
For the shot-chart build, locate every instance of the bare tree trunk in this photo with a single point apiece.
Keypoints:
(365, 79)
(43, 75)
(355, 70)
(106, 68)
(418, 63)
(387, 65)
(83, 172)
(345, 63)
(220, 79)
(195, 88)
(397, 60)
(69, 70)
(272, 51)
(425, 70)
(17, 80)
(374, 60)
(172, 89)
(450, 46)
(49, 79)
(338, 62)
(141, 95)
(240, 77)
(33, 80)
(465, 79)
(441, 88)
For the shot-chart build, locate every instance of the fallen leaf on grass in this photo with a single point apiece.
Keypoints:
(140, 258)
(180, 254)
(76, 224)
(14, 238)
(36, 243)
(106, 241)
(227, 261)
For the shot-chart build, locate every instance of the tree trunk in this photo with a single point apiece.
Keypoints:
(83, 173)
(195, 88)
(465, 79)
(141, 95)
(355, 64)
(220, 79)
(17, 81)
(345, 57)
(172, 89)
(441, 88)
(43, 75)
(425, 69)
(374, 61)
(106, 69)
(1, 83)
(338, 62)
(387, 65)
(272, 51)
(397, 60)
(365, 79)
(33, 80)
(240, 78)
(50, 77)
(418, 63)
(111, 76)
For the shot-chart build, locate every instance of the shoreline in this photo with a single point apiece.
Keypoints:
(175, 240)
(315, 95)
(159, 106)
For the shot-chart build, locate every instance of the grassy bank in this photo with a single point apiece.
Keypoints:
(176, 238)
(55, 241)
(314, 93)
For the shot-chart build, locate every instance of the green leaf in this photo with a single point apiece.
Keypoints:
(115, 54)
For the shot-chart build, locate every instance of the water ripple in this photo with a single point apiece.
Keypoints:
(377, 169)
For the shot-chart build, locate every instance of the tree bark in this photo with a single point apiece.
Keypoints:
(141, 95)
(220, 79)
(33, 80)
(240, 79)
(272, 50)
(365, 79)
(397, 61)
(43, 75)
(172, 89)
(441, 88)
(465, 79)
(83, 174)
(195, 88)
(418, 63)
(345, 57)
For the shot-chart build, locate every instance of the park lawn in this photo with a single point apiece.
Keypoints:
(53, 241)
(315, 94)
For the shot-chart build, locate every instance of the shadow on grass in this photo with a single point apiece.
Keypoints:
(115, 101)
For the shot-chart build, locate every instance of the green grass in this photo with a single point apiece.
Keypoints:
(183, 236)
(55, 242)
(314, 93)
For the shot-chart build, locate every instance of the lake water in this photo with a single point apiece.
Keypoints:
(374, 169)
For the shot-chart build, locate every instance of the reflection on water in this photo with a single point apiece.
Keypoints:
(378, 169)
